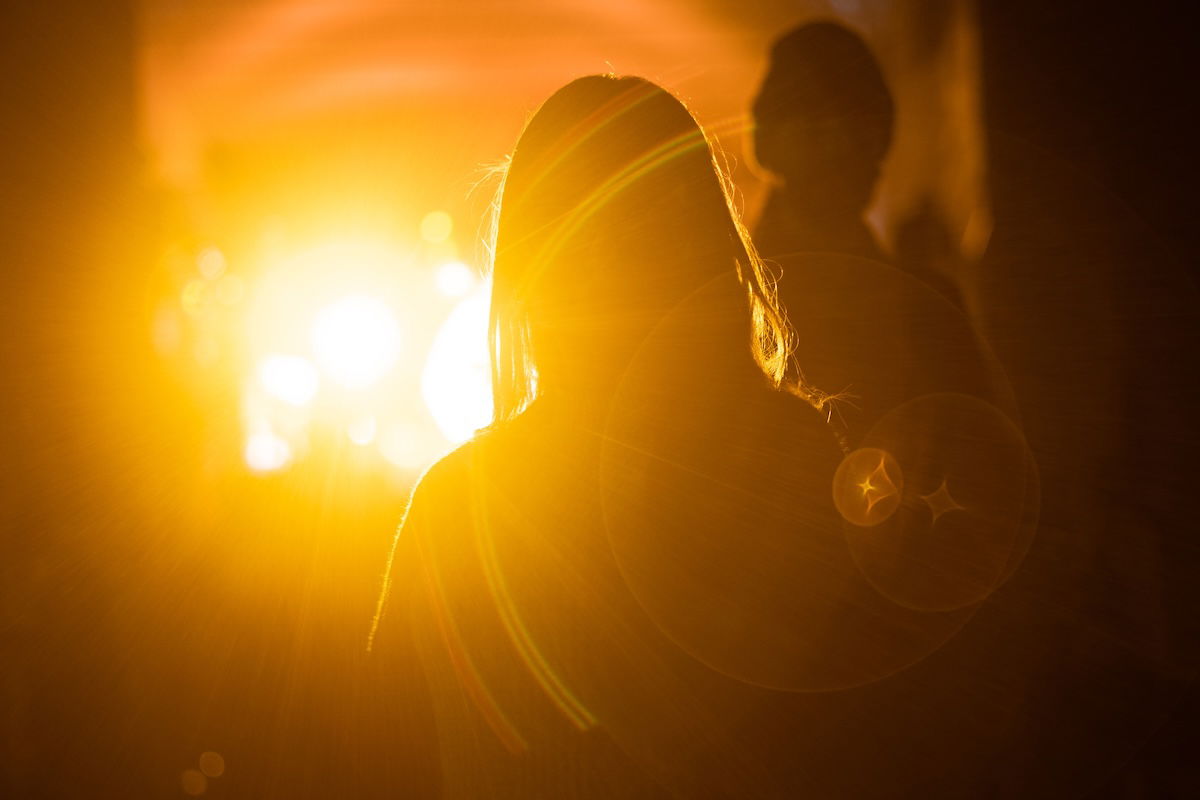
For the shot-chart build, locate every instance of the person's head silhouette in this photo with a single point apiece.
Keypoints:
(612, 212)
(823, 119)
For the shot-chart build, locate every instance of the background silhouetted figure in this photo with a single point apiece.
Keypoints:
(822, 126)
(876, 333)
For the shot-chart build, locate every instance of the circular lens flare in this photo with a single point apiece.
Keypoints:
(867, 486)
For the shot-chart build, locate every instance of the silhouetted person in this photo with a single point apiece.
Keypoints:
(822, 126)
(876, 335)
(635, 582)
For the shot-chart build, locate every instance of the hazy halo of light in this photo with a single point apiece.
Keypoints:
(292, 379)
(456, 382)
(436, 226)
(356, 340)
(454, 279)
(266, 452)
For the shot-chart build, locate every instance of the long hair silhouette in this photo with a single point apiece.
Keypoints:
(614, 207)
(631, 583)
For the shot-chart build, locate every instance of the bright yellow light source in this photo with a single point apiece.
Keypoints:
(356, 340)
(292, 379)
(361, 431)
(266, 452)
(454, 279)
(436, 226)
(456, 381)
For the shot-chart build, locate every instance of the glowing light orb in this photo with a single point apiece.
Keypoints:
(356, 341)
(292, 379)
(454, 279)
(456, 383)
(362, 431)
(266, 452)
(436, 226)
(867, 486)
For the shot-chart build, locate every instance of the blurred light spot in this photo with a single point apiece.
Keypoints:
(454, 279)
(456, 382)
(193, 297)
(436, 226)
(362, 430)
(212, 764)
(266, 452)
(867, 486)
(211, 263)
(356, 340)
(400, 446)
(292, 379)
(193, 782)
(230, 290)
